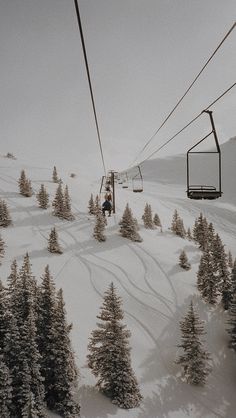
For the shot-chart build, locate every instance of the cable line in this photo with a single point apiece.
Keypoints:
(188, 124)
(89, 80)
(186, 92)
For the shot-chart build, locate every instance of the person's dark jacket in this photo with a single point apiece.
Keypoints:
(106, 205)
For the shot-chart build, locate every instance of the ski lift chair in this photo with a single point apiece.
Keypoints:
(198, 192)
(137, 182)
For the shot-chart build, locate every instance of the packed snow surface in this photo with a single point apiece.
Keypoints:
(156, 292)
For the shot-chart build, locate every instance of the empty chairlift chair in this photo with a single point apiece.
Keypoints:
(125, 182)
(203, 191)
(137, 182)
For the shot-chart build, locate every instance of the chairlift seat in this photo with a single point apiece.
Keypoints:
(137, 190)
(203, 192)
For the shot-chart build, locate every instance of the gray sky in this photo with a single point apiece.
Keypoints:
(143, 54)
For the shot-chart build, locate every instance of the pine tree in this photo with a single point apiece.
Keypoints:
(233, 277)
(26, 290)
(99, 228)
(2, 248)
(180, 230)
(128, 226)
(223, 274)
(189, 234)
(25, 185)
(12, 286)
(55, 178)
(28, 191)
(5, 389)
(53, 245)
(3, 316)
(210, 236)
(177, 225)
(58, 203)
(232, 322)
(91, 206)
(183, 261)
(194, 360)
(206, 278)
(174, 221)
(13, 351)
(67, 206)
(30, 355)
(147, 217)
(200, 231)
(5, 218)
(43, 197)
(21, 182)
(109, 354)
(65, 371)
(230, 260)
(97, 205)
(156, 220)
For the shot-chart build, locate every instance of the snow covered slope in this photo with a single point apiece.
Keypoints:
(155, 291)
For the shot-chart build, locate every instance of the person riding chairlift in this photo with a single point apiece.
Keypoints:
(106, 206)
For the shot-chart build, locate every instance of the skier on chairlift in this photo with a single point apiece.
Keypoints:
(106, 206)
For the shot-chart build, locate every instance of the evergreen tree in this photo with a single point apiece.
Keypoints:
(99, 228)
(183, 261)
(223, 275)
(67, 206)
(3, 316)
(5, 389)
(21, 182)
(233, 277)
(177, 225)
(5, 218)
(230, 260)
(31, 357)
(53, 245)
(174, 221)
(2, 248)
(25, 185)
(46, 334)
(206, 278)
(128, 226)
(194, 360)
(55, 178)
(58, 203)
(147, 217)
(211, 237)
(12, 287)
(109, 356)
(13, 351)
(156, 220)
(25, 292)
(91, 205)
(43, 197)
(189, 234)
(97, 205)
(232, 322)
(65, 371)
(200, 231)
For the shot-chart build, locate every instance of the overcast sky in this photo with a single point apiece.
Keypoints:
(143, 54)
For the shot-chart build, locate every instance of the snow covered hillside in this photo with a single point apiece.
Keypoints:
(156, 292)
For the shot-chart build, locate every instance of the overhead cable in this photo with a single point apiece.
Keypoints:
(186, 92)
(89, 80)
(187, 125)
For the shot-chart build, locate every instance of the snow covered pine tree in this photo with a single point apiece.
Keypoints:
(109, 356)
(195, 360)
